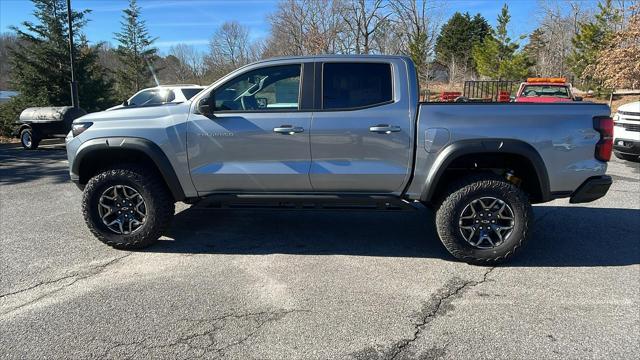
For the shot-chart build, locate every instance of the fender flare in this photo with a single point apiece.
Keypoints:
(499, 146)
(21, 127)
(147, 147)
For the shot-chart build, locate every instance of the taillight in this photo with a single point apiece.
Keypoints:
(604, 147)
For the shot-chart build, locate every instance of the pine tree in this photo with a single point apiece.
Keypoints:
(135, 52)
(497, 57)
(537, 48)
(456, 39)
(40, 60)
(591, 38)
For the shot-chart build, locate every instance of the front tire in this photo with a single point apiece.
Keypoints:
(127, 207)
(484, 220)
(29, 140)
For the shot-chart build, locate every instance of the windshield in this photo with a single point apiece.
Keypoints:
(152, 97)
(546, 91)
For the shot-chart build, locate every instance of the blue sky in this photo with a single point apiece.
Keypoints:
(194, 21)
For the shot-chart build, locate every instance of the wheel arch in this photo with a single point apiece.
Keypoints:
(97, 154)
(489, 149)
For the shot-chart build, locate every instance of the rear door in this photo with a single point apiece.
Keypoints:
(258, 138)
(361, 133)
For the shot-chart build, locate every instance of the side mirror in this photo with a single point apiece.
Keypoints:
(204, 106)
(125, 103)
(577, 98)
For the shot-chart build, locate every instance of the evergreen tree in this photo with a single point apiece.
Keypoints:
(135, 52)
(40, 63)
(497, 57)
(456, 39)
(618, 63)
(591, 38)
(537, 49)
(417, 47)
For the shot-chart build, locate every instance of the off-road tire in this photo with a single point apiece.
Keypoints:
(460, 195)
(627, 157)
(35, 140)
(160, 206)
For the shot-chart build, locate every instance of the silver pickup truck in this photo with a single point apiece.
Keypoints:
(339, 131)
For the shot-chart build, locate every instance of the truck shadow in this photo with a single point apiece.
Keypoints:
(19, 166)
(562, 236)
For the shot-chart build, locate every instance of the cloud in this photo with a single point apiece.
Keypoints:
(212, 23)
(146, 5)
(169, 43)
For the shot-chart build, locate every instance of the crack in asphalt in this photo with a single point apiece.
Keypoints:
(213, 326)
(437, 306)
(77, 276)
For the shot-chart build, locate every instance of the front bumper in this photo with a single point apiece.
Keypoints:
(626, 146)
(591, 189)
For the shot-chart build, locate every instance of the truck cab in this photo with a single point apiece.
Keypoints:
(545, 90)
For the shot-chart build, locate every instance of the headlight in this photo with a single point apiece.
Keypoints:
(79, 128)
(615, 117)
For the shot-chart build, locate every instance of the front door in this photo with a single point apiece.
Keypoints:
(258, 138)
(361, 135)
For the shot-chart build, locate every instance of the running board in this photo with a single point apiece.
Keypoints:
(307, 202)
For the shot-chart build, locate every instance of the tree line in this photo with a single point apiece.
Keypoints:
(596, 47)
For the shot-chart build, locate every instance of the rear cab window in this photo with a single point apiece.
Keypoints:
(558, 91)
(347, 86)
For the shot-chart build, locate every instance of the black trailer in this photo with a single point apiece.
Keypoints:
(39, 123)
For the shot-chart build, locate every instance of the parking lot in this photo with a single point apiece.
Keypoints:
(312, 285)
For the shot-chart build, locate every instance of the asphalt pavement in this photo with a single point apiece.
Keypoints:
(261, 284)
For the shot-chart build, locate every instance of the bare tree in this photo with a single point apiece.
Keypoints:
(550, 45)
(190, 66)
(230, 48)
(305, 27)
(363, 19)
(389, 38)
(420, 21)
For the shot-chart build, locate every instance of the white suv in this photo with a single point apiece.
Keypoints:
(161, 95)
(626, 132)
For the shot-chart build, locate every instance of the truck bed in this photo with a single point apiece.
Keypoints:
(562, 134)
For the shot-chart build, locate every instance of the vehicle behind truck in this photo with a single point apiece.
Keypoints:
(545, 90)
(340, 132)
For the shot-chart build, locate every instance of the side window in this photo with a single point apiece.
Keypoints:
(266, 89)
(355, 85)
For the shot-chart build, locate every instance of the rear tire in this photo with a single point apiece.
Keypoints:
(627, 157)
(127, 207)
(29, 139)
(477, 230)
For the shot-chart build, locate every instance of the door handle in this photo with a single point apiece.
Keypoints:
(288, 129)
(384, 129)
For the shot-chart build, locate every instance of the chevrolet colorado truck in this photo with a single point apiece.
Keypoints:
(339, 131)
